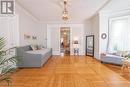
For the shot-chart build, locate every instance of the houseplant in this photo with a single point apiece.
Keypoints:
(8, 64)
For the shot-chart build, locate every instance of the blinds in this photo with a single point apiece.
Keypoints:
(119, 34)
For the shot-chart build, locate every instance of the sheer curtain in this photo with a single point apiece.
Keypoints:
(119, 35)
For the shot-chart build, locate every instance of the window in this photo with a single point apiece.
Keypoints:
(119, 34)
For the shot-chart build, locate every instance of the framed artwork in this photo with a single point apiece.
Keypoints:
(34, 38)
(27, 36)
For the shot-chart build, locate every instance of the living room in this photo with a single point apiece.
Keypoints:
(50, 40)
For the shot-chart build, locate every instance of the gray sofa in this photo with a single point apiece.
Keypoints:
(30, 58)
(113, 59)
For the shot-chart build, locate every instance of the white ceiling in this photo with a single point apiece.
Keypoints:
(51, 10)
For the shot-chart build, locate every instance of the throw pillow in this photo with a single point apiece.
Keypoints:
(119, 53)
(125, 53)
(39, 47)
(33, 47)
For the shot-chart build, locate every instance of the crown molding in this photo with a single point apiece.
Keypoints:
(115, 11)
(97, 12)
(27, 11)
(62, 22)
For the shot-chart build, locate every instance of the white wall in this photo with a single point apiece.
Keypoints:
(30, 26)
(91, 27)
(95, 32)
(115, 5)
(13, 28)
(115, 8)
(44, 28)
(77, 32)
(53, 37)
(88, 27)
(100, 22)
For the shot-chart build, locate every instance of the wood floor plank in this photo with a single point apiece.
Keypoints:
(69, 71)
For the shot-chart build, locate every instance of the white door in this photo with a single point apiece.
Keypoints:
(9, 30)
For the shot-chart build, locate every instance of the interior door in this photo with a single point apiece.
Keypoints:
(65, 40)
(9, 30)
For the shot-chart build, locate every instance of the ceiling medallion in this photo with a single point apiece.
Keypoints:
(65, 15)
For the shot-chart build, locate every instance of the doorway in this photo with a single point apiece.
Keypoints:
(65, 41)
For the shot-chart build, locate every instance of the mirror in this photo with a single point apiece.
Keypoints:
(65, 41)
(104, 36)
(90, 45)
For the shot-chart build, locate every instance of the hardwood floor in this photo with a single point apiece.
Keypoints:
(117, 69)
(69, 71)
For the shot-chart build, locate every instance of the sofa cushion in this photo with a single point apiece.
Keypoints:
(42, 52)
(119, 53)
(34, 47)
(114, 56)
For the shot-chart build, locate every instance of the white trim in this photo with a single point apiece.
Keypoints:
(115, 11)
(62, 22)
(60, 37)
(118, 18)
(48, 37)
(97, 12)
(55, 53)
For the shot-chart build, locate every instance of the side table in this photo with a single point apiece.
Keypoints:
(76, 51)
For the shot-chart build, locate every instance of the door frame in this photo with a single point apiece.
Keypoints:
(69, 37)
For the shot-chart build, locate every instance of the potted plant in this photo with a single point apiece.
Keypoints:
(128, 56)
(8, 64)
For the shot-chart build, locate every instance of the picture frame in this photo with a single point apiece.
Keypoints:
(34, 37)
(27, 36)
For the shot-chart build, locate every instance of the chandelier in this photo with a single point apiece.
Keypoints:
(65, 15)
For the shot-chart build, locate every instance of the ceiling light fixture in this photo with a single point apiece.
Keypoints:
(65, 15)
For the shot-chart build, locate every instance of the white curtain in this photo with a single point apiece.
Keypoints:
(119, 35)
